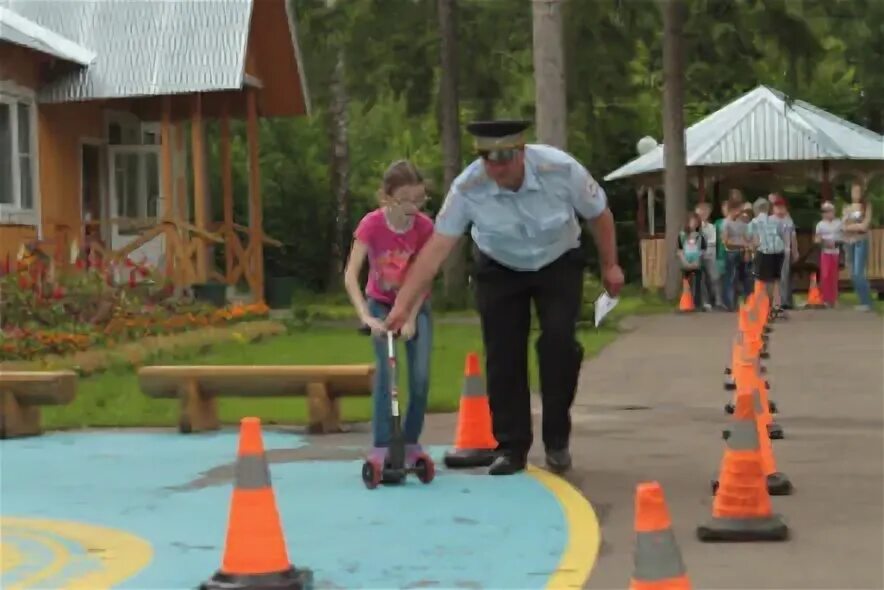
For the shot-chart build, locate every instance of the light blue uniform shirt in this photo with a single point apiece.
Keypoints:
(529, 228)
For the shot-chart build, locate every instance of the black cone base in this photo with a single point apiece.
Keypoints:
(775, 431)
(466, 458)
(742, 530)
(771, 406)
(291, 579)
(778, 484)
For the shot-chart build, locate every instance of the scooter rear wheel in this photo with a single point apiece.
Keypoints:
(425, 469)
(371, 474)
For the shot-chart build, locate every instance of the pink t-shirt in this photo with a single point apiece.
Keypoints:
(390, 252)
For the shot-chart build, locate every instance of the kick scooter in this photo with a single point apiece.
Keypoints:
(393, 470)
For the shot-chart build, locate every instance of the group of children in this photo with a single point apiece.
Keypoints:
(757, 241)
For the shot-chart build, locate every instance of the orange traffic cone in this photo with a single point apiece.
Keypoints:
(657, 559)
(474, 443)
(255, 554)
(686, 303)
(737, 350)
(814, 296)
(778, 483)
(742, 509)
(774, 430)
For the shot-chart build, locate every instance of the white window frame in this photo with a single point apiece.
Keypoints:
(12, 93)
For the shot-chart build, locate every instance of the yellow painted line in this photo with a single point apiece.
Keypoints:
(118, 554)
(60, 558)
(584, 535)
(10, 557)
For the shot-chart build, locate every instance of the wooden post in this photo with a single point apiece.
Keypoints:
(199, 412)
(641, 215)
(199, 186)
(826, 188)
(701, 188)
(227, 188)
(17, 419)
(168, 187)
(652, 215)
(256, 217)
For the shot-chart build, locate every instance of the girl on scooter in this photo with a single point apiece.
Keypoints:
(390, 237)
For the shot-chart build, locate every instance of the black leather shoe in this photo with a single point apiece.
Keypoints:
(558, 460)
(507, 465)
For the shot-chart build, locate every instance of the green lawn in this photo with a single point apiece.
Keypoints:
(114, 399)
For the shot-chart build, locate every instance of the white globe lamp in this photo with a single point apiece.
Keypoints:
(645, 144)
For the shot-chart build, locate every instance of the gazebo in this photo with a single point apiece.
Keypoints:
(762, 139)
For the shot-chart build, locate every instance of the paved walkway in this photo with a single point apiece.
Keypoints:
(650, 407)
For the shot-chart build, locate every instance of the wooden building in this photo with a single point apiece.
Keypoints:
(103, 106)
(758, 143)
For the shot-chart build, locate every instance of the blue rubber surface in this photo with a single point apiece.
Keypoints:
(460, 531)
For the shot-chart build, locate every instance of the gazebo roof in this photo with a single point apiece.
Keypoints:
(764, 126)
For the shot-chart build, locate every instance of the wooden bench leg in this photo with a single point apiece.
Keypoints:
(324, 410)
(16, 419)
(199, 412)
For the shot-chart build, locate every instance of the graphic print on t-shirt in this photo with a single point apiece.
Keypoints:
(391, 267)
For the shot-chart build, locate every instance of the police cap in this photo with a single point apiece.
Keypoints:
(498, 135)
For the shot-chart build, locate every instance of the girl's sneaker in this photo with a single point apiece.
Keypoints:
(412, 453)
(377, 455)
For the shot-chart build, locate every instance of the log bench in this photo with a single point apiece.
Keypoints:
(197, 388)
(22, 393)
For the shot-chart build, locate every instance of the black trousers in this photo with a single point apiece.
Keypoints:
(504, 298)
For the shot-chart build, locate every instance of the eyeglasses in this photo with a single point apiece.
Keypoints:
(503, 155)
(417, 202)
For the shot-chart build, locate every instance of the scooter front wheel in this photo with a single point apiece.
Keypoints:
(371, 474)
(425, 469)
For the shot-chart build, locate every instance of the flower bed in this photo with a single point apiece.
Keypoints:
(47, 311)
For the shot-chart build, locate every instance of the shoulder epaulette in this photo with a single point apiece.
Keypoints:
(544, 167)
(472, 181)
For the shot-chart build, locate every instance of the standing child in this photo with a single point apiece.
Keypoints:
(390, 237)
(766, 232)
(829, 236)
(790, 240)
(691, 247)
(711, 282)
(733, 236)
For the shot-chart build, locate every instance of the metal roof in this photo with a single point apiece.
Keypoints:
(762, 126)
(149, 47)
(14, 28)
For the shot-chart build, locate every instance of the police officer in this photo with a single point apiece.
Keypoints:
(523, 202)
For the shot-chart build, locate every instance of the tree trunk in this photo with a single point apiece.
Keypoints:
(340, 167)
(454, 268)
(675, 176)
(549, 73)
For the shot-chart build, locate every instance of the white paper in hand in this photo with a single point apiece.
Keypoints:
(603, 305)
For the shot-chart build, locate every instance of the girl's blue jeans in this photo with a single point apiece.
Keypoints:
(858, 254)
(418, 359)
(737, 279)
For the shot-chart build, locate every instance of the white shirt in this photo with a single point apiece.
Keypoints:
(708, 230)
(829, 231)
